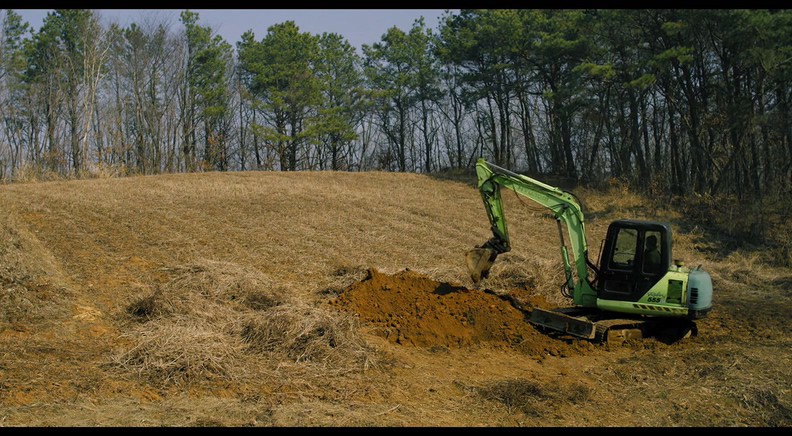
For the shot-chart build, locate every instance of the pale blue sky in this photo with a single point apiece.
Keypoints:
(359, 26)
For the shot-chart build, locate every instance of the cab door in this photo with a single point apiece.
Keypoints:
(625, 273)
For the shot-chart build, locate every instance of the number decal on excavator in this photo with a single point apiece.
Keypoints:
(655, 297)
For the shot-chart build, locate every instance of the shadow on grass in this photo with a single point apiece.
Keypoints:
(461, 175)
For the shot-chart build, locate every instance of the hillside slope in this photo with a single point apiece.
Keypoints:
(256, 298)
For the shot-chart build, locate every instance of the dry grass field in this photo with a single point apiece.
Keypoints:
(341, 299)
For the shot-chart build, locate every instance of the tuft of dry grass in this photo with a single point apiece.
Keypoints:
(180, 351)
(209, 289)
(540, 276)
(342, 277)
(533, 398)
(311, 334)
(221, 282)
(767, 404)
(31, 285)
(194, 327)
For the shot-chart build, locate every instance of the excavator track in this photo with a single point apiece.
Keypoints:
(620, 330)
(610, 328)
(590, 324)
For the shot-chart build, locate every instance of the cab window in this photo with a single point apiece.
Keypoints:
(624, 249)
(652, 255)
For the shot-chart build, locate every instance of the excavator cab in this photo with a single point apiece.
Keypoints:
(635, 256)
(638, 274)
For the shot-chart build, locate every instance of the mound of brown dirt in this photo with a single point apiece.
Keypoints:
(408, 308)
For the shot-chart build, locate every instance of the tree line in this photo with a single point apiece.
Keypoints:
(687, 101)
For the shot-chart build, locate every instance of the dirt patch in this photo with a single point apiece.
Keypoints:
(408, 308)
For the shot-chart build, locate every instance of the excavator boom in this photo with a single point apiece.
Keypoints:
(564, 207)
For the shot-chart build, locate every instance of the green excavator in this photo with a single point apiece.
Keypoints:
(634, 292)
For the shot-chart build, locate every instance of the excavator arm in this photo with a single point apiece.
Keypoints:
(564, 207)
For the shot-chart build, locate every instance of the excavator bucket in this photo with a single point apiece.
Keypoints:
(479, 261)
